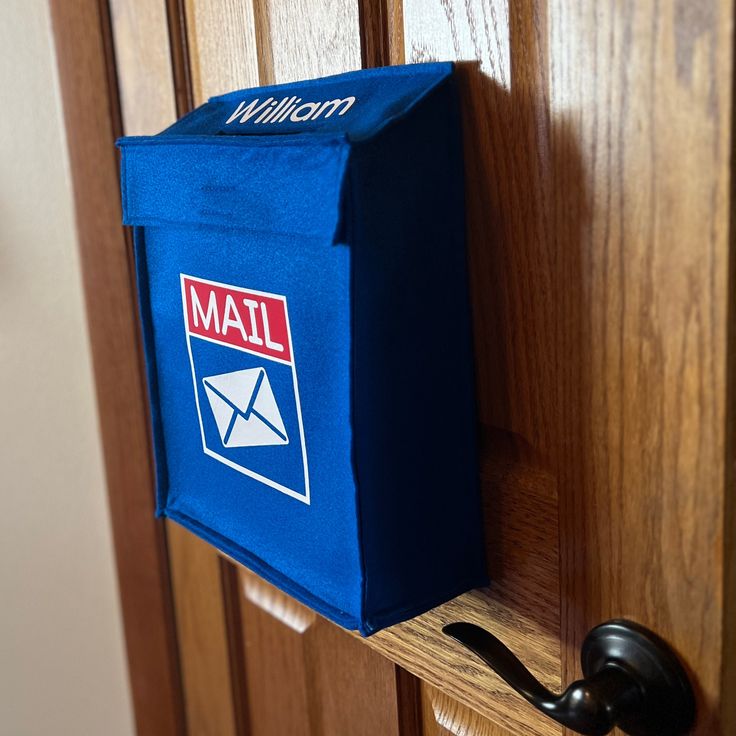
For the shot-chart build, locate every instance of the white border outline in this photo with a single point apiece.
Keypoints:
(303, 497)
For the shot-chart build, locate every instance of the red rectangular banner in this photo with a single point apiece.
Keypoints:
(240, 318)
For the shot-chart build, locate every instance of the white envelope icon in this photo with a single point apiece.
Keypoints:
(245, 409)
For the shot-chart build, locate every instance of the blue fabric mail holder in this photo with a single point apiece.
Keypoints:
(301, 269)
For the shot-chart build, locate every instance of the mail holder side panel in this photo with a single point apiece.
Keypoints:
(414, 397)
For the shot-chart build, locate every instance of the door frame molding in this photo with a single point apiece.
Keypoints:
(88, 83)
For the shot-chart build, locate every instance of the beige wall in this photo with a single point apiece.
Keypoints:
(62, 662)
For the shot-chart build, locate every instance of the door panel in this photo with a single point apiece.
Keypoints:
(598, 143)
(143, 52)
(598, 210)
(643, 225)
(445, 716)
(244, 44)
(306, 676)
(204, 641)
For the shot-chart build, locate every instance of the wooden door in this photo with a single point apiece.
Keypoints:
(598, 155)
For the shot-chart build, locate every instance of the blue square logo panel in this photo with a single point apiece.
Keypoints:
(245, 383)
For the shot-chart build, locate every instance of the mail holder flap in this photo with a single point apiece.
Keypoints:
(304, 307)
(292, 186)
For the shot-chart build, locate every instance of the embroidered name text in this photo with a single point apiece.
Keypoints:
(292, 108)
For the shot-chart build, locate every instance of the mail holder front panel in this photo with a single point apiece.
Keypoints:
(303, 291)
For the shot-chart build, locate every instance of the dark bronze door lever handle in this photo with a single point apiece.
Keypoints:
(632, 680)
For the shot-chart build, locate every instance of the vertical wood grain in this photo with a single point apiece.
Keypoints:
(473, 31)
(232, 603)
(235, 45)
(203, 637)
(307, 677)
(277, 662)
(221, 36)
(599, 212)
(375, 23)
(83, 43)
(180, 56)
(309, 39)
(143, 58)
(444, 716)
(357, 687)
(643, 230)
(728, 683)
(408, 703)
